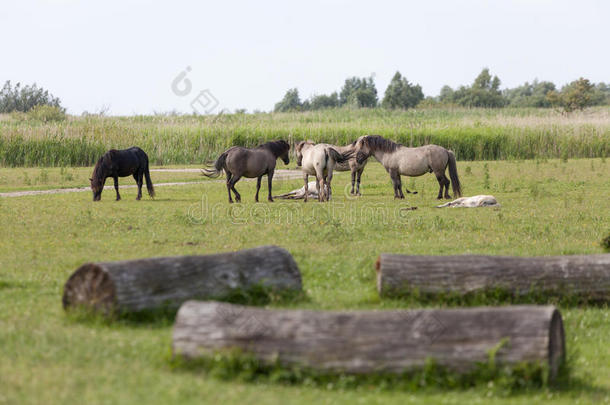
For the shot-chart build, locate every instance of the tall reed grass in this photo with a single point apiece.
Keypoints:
(474, 134)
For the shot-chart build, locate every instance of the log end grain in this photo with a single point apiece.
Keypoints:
(90, 287)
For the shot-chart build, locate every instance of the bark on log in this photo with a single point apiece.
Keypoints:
(586, 277)
(167, 282)
(373, 341)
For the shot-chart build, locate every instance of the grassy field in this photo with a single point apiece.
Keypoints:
(474, 134)
(549, 207)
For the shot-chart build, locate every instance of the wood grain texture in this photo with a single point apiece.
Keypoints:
(586, 276)
(373, 341)
(167, 282)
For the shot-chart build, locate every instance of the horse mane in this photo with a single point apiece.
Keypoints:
(276, 147)
(98, 170)
(378, 142)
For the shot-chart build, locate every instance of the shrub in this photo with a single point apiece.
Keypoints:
(47, 113)
(25, 98)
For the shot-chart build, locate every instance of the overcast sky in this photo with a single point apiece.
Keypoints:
(125, 54)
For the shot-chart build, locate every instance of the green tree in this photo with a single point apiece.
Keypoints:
(358, 92)
(529, 94)
(24, 98)
(290, 102)
(601, 94)
(484, 92)
(574, 96)
(447, 95)
(401, 94)
(322, 101)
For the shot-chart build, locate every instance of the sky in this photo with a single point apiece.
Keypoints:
(140, 57)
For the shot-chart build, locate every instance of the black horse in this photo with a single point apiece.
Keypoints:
(121, 163)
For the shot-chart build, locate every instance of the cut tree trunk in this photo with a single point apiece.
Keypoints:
(361, 342)
(586, 277)
(167, 282)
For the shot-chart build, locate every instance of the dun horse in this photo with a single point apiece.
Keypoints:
(121, 163)
(240, 162)
(400, 160)
(319, 160)
(351, 165)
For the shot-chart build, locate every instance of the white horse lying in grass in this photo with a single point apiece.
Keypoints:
(472, 202)
(299, 193)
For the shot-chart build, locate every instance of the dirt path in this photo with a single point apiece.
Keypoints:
(279, 174)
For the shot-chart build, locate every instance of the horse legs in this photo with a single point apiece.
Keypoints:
(138, 178)
(258, 187)
(234, 180)
(306, 178)
(358, 181)
(329, 178)
(229, 176)
(447, 182)
(269, 181)
(395, 176)
(116, 187)
(320, 187)
(354, 181)
(443, 182)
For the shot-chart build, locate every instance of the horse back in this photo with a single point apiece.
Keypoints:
(249, 162)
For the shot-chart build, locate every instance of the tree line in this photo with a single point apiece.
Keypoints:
(483, 92)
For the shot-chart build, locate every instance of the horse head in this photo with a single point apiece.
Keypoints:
(299, 151)
(285, 155)
(97, 185)
(362, 149)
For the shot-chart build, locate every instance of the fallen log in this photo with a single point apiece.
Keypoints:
(167, 282)
(585, 277)
(359, 342)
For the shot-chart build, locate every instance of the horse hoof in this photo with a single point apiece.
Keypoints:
(270, 199)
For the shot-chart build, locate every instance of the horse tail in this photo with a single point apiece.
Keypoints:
(339, 157)
(149, 184)
(453, 174)
(217, 168)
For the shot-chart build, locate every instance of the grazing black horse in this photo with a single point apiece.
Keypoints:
(121, 163)
(240, 162)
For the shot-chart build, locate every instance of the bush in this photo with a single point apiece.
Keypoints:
(47, 113)
(574, 96)
(25, 98)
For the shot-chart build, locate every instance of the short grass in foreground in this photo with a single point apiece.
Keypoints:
(548, 208)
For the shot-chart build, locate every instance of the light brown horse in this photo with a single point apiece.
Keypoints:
(400, 160)
(240, 162)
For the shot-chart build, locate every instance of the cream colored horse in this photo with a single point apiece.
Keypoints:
(319, 160)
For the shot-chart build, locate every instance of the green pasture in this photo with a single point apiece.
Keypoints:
(549, 207)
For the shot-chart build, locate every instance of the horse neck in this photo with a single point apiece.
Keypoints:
(380, 155)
